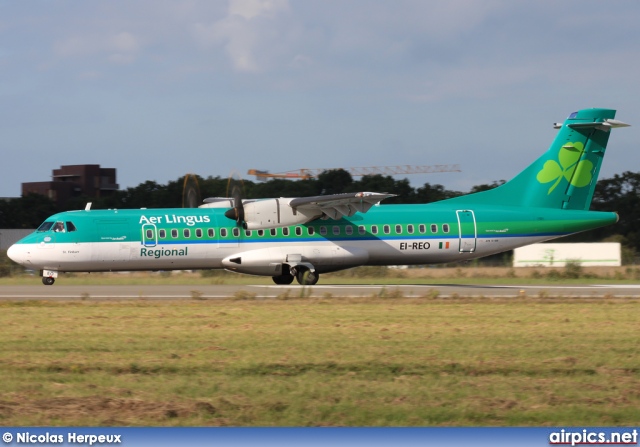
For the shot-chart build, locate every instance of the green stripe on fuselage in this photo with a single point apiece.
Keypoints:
(491, 221)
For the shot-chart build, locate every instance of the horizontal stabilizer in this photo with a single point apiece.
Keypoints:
(605, 125)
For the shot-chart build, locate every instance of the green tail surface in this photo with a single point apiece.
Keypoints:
(565, 176)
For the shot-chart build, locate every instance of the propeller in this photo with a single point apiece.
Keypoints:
(235, 191)
(190, 191)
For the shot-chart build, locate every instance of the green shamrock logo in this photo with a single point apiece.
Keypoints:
(568, 165)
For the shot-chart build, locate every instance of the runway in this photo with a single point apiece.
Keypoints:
(183, 292)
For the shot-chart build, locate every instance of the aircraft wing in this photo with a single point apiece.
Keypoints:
(335, 206)
(273, 213)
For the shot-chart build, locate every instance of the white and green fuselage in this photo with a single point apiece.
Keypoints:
(549, 199)
(166, 239)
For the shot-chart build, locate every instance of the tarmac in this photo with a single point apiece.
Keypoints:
(61, 292)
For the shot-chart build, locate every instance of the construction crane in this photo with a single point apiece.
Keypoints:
(305, 174)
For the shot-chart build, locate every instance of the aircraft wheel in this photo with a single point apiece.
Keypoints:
(48, 281)
(307, 277)
(282, 279)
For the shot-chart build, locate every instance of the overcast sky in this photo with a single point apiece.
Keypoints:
(157, 89)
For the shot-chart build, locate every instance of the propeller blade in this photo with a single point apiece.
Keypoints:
(235, 191)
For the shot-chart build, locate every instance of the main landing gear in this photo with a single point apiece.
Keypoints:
(303, 275)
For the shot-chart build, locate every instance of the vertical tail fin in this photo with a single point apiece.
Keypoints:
(565, 176)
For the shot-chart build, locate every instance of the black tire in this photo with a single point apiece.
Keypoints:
(282, 279)
(48, 281)
(306, 277)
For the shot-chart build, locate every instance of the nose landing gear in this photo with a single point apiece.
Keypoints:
(48, 280)
(48, 277)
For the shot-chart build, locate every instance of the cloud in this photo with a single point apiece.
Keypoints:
(250, 9)
(251, 33)
(118, 48)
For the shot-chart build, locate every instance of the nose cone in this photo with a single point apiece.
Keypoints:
(17, 254)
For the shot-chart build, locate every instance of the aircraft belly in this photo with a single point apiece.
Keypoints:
(122, 256)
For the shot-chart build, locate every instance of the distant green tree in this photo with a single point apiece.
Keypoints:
(28, 211)
(487, 186)
(213, 187)
(621, 194)
(334, 181)
(283, 188)
(150, 194)
(432, 193)
(380, 183)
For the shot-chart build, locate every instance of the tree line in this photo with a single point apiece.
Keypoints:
(621, 193)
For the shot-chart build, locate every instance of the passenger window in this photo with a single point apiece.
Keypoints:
(386, 229)
(311, 231)
(211, 232)
(174, 233)
(445, 228)
(223, 232)
(323, 230)
(149, 234)
(362, 229)
(349, 230)
(298, 231)
(273, 231)
(162, 233)
(434, 228)
(410, 229)
(71, 227)
(236, 232)
(247, 233)
(422, 228)
(336, 230)
(398, 229)
(285, 231)
(374, 229)
(198, 232)
(187, 233)
(260, 233)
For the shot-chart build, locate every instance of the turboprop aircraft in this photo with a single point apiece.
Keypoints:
(300, 238)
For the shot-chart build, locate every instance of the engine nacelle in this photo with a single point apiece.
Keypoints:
(217, 202)
(265, 261)
(270, 261)
(272, 213)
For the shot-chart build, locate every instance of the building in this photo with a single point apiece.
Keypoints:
(587, 254)
(74, 181)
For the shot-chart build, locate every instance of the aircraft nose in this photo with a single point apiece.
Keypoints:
(17, 254)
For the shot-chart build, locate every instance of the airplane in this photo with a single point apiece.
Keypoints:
(301, 238)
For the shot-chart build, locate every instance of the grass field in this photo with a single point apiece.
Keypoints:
(315, 362)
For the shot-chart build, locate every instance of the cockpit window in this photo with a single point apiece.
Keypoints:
(71, 227)
(58, 227)
(46, 226)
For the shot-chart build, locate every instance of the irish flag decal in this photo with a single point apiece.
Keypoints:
(444, 245)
